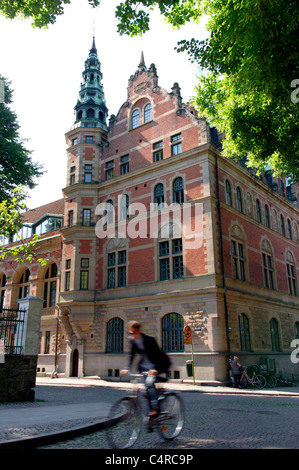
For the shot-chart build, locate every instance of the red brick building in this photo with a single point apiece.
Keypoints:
(159, 227)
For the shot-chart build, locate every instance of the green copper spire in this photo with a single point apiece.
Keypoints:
(91, 110)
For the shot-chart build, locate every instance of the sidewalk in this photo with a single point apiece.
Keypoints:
(44, 421)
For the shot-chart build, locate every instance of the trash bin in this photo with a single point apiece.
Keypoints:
(189, 368)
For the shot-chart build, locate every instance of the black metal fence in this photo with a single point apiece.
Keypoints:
(12, 323)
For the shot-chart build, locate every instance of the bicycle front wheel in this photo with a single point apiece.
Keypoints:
(271, 381)
(127, 423)
(171, 419)
(259, 381)
(243, 382)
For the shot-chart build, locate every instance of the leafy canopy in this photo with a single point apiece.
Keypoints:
(42, 12)
(251, 55)
(16, 165)
(250, 60)
(11, 221)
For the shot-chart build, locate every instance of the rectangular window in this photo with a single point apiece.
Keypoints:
(178, 267)
(158, 151)
(67, 280)
(47, 342)
(111, 278)
(86, 220)
(84, 280)
(176, 144)
(89, 139)
(84, 262)
(164, 269)
(71, 218)
(72, 174)
(67, 264)
(109, 170)
(88, 174)
(171, 260)
(124, 164)
(291, 279)
(75, 141)
(122, 257)
(238, 261)
(117, 270)
(122, 276)
(268, 271)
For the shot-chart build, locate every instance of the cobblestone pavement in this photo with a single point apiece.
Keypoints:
(216, 418)
(220, 422)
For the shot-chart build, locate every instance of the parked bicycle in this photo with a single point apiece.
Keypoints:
(273, 380)
(257, 380)
(130, 414)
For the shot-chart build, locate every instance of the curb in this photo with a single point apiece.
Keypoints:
(33, 442)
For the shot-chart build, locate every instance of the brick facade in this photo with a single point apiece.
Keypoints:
(208, 286)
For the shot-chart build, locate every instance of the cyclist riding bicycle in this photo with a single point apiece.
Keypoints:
(153, 361)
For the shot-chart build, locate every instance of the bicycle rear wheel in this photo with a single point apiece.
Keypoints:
(124, 433)
(259, 381)
(171, 419)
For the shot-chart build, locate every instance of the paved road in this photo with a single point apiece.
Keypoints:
(213, 421)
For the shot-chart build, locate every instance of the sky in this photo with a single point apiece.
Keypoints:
(45, 67)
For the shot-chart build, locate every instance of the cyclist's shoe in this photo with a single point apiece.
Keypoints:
(154, 413)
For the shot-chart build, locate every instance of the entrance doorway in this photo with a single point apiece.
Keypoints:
(75, 363)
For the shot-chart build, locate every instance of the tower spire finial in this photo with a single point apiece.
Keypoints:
(142, 63)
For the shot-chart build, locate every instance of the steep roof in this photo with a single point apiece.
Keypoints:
(53, 208)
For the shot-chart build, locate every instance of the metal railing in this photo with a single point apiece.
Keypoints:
(12, 324)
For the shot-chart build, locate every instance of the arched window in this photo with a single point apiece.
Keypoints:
(267, 216)
(90, 113)
(238, 253)
(290, 230)
(268, 265)
(258, 211)
(228, 193)
(291, 274)
(172, 333)
(244, 332)
(178, 190)
(135, 118)
(282, 226)
(24, 284)
(115, 336)
(274, 335)
(110, 211)
(159, 194)
(147, 113)
(50, 285)
(124, 207)
(239, 200)
(2, 290)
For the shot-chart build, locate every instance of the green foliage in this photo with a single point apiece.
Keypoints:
(135, 21)
(16, 165)
(252, 56)
(42, 12)
(11, 221)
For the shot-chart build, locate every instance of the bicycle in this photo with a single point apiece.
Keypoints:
(271, 380)
(257, 380)
(129, 414)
